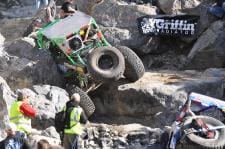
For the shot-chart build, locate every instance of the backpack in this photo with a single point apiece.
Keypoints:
(67, 118)
(60, 121)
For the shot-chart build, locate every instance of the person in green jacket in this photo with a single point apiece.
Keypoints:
(74, 117)
(21, 113)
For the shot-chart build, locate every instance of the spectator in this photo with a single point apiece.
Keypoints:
(21, 113)
(43, 144)
(40, 2)
(74, 116)
(66, 10)
(12, 141)
(72, 3)
(218, 9)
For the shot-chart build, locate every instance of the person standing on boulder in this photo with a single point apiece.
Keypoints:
(21, 113)
(74, 117)
(40, 2)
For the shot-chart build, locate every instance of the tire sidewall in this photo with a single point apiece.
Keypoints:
(207, 143)
(113, 73)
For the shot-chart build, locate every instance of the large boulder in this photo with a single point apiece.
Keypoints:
(177, 6)
(13, 29)
(158, 94)
(87, 6)
(2, 39)
(119, 22)
(6, 99)
(208, 51)
(19, 12)
(23, 65)
(47, 100)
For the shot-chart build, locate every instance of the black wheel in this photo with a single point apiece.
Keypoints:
(106, 64)
(134, 68)
(85, 102)
(198, 141)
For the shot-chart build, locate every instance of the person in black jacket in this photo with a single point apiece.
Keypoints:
(74, 117)
(12, 141)
(218, 10)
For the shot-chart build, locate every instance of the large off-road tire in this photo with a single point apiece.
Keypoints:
(134, 68)
(196, 141)
(106, 64)
(85, 101)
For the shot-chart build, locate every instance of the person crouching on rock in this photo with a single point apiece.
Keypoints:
(21, 113)
(74, 116)
(12, 141)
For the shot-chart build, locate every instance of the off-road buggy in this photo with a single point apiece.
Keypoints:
(84, 56)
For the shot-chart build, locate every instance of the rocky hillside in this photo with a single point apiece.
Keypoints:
(128, 115)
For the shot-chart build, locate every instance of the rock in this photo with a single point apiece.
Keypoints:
(207, 52)
(169, 60)
(158, 94)
(33, 139)
(19, 12)
(51, 132)
(24, 2)
(151, 47)
(137, 136)
(14, 28)
(87, 6)
(2, 39)
(6, 99)
(47, 104)
(22, 65)
(119, 26)
(175, 6)
(215, 72)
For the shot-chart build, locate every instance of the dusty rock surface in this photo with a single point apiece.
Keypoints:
(161, 92)
(207, 52)
(14, 28)
(22, 64)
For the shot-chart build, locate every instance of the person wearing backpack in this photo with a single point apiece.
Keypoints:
(12, 141)
(73, 119)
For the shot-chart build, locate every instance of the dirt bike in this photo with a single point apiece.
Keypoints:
(191, 129)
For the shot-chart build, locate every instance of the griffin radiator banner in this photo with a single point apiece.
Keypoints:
(179, 25)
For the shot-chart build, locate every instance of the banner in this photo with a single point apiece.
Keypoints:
(178, 25)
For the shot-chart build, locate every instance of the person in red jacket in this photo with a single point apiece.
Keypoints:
(21, 113)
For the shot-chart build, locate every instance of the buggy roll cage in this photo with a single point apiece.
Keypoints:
(61, 30)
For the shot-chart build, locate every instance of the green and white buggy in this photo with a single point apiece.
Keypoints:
(84, 56)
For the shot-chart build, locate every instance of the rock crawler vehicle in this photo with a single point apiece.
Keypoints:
(84, 56)
(195, 128)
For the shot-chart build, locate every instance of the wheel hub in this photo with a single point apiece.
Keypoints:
(105, 62)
